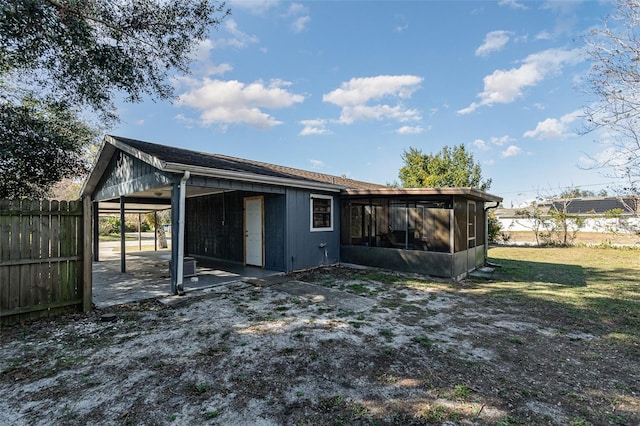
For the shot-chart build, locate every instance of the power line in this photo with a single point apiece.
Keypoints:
(558, 188)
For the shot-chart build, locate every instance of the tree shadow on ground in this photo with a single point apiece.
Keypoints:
(528, 271)
(577, 295)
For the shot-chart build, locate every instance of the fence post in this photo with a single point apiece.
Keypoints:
(87, 257)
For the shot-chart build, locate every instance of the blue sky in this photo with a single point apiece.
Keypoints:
(345, 87)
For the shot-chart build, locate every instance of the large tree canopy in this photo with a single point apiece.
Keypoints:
(87, 52)
(62, 57)
(614, 80)
(40, 144)
(451, 167)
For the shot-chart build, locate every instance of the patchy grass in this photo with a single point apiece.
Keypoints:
(596, 286)
(552, 338)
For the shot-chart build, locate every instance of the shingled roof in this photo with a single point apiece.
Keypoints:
(581, 206)
(179, 156)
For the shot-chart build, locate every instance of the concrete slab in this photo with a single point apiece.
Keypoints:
(148, 277)
(485, 272)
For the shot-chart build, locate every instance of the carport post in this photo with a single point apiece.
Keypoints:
(96, 231)
(178, 207)
(155, 231)
(123, 261)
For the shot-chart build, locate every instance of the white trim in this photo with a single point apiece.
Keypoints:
(331, 212)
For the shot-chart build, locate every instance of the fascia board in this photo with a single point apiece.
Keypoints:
(249, 177)
(142, 156)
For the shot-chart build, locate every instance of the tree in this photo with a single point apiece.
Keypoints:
(451, 167)
(86, 53)
(156, 219)
(564, 225)
(534, 219)
(614, 80)
(40, 144)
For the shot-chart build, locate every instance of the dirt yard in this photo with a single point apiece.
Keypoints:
(328, 346)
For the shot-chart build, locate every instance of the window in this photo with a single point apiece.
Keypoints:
(321, 213)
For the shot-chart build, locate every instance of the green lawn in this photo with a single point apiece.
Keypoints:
(598, 287)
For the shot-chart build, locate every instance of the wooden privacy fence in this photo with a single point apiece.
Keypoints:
(45, 258)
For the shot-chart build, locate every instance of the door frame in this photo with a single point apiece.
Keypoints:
(244, 227)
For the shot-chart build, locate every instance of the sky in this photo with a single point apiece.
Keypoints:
(345, 87)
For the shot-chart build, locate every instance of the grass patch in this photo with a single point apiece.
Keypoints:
(423, 341)
(583, 284)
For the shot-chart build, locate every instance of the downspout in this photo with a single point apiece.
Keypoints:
(486, 229)
(181, 215)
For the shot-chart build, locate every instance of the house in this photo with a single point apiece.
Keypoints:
(597, 214)
(287, 219)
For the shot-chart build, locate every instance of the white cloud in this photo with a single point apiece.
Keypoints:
(543, 35)
(493, 42)
(353, 97)
(554, 128)
(300, 23)
(410, 130)
(505, 86)
(317, 164)
(511, 151)
(314, 127)
(481, 145)
(501, 140)
(232, 102)
(257, 7)
(300, 13)
(203, 65)
(513, 4)
(401, 28)
(238, 39)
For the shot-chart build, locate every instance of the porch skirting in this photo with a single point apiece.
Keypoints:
(444, 265)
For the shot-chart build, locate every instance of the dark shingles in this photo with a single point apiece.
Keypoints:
(187, 157)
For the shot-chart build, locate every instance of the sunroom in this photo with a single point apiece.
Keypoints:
(434, 231)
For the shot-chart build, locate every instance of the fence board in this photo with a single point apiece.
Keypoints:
(37, 286)
(14, 254)
(4, 255)
(42, 256)
(54, 243)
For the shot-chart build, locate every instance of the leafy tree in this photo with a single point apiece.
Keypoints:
(40, 144)
(495, 228)
(451, 167)
(155, 220)
(86, 53)
(534, 219)
(564, 225)
(614, 80)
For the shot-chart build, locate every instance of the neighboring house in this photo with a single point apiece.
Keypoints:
(287, 219)
(599, 214)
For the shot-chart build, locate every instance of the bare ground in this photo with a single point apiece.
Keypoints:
(328, 346)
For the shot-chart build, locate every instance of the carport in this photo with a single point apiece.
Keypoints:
(226, 212)
(125, 180)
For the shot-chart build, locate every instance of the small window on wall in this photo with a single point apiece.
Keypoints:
(321, 213)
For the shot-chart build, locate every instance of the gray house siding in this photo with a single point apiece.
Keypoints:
(274, 232)
(126, 174)
(214, 227)
(307, 249)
